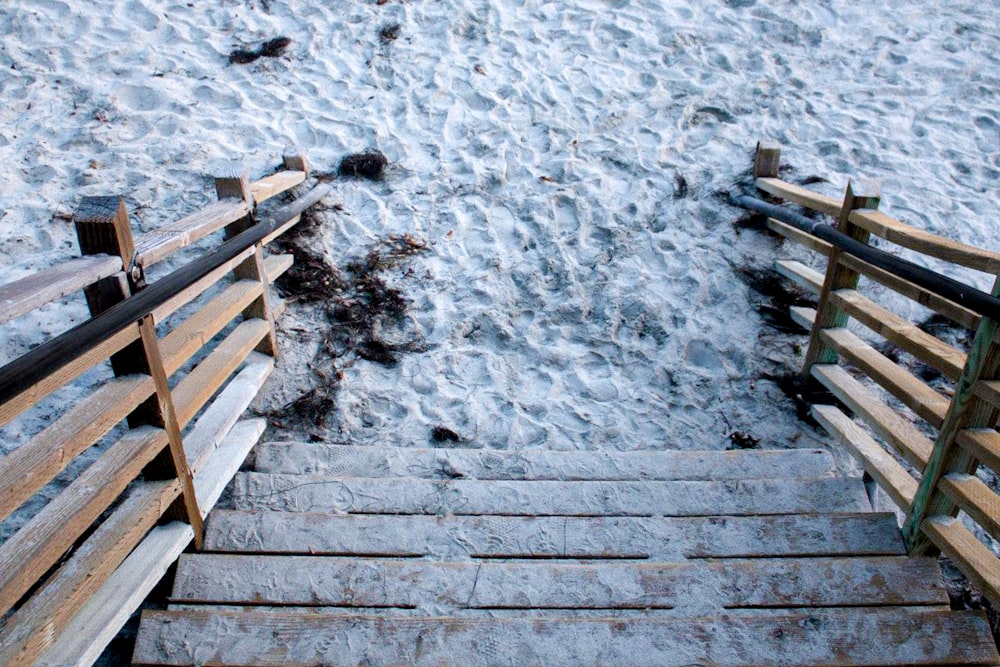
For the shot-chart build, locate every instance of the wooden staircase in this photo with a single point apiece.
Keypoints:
(338, 555)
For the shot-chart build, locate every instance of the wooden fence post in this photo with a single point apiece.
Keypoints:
(295, 160)
(967, 411)
(235, 184)
(102, 226)
(767, 159)
(861, 195)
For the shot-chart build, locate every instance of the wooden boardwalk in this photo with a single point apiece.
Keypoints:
(338, 555)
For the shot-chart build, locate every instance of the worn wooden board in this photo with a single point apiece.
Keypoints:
(32, 465)
(912, 445)
(664, 539)
(31, 551)
(972, 557)
(275, 184)
(224, 461)
(877, 462)
(188, 294)
(910, 390)
(159, 244)
(925, 243)
(324, 493)
(689, 588)
(102, 617)
(983, 444)
(24, 295)
(218, 418)
(801, 196)
(276, 265)
(882, 636)
(975, 498)
(38, 623)
(348, 461)
(800, 274)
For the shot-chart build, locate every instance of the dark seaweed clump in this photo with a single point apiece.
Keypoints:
(272, 48)
(370, 164)
(390, 33)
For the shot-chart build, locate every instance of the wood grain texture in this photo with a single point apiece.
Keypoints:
(159, 244)
(801, 275)
(24, 295)
(972, 557)
(326, 493)
(66, 374)
(538, 464)
(889, 473)
(800, 195)
(36, 625)
(818, 637)
(104, 614)
(280, 230)
(663, 539)
(275, 184)
(983, 444)
(685, 588)
(901, 434)
(32, 550)
(189, 294)
(198, 386)
(276, 265)
(925, 243)
(225, 461)
(911, 391)
(35, 463)
(975, 498)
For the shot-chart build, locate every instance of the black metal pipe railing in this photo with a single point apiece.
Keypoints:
(948, 288)
(37, 364)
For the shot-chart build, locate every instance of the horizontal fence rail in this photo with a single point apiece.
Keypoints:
(931, 478)
(166, 436)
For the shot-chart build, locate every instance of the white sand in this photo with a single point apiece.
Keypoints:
(569, 299)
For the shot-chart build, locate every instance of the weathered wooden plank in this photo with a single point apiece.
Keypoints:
(37, 546)
(804, 317)
(325, 493)
(702, 586)
(207, 377)
(220, 417)
(971, 556)
(196, 331)
(956, 313)
(801, 196)
(275, 184)
(892, 476)
(902, 334)
(281, 230)
(24, 295)
(664, 539)
(188, 294)
(159, 244)
(911, 391)
(35, 463)
(36, 625)
(989, 390)
(67, 373)
(537, 464)
(975, 498)
(767, 159)
(818, 637)
(102, 617)
(925, 243)
(276, 265)
(983, 444)
(800, 274)
(897, 431)
(225, 461)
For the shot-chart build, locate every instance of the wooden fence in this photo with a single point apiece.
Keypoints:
(925, 455)
(168, 415)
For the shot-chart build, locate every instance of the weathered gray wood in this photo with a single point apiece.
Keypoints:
(664, 539)
(219, 418)
(800, 274)
(24, 295)
(96, 624)
(536, 464)
(275, 184)
(157, 245)
(224, 461)
(688, 588)
(862, 636)
(318, 493)
(767, 159)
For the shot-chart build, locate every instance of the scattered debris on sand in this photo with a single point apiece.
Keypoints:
(390, 33)
(272, 48)
(370, 164)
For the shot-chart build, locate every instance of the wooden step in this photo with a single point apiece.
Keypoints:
(459, 537)
(862, 636)
(360, 495)
(348, 461)
(415, 583)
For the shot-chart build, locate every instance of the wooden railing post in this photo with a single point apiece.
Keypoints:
(235, 184)
(102, 226)
(858, 195)
(967, 411)
(767, 159)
